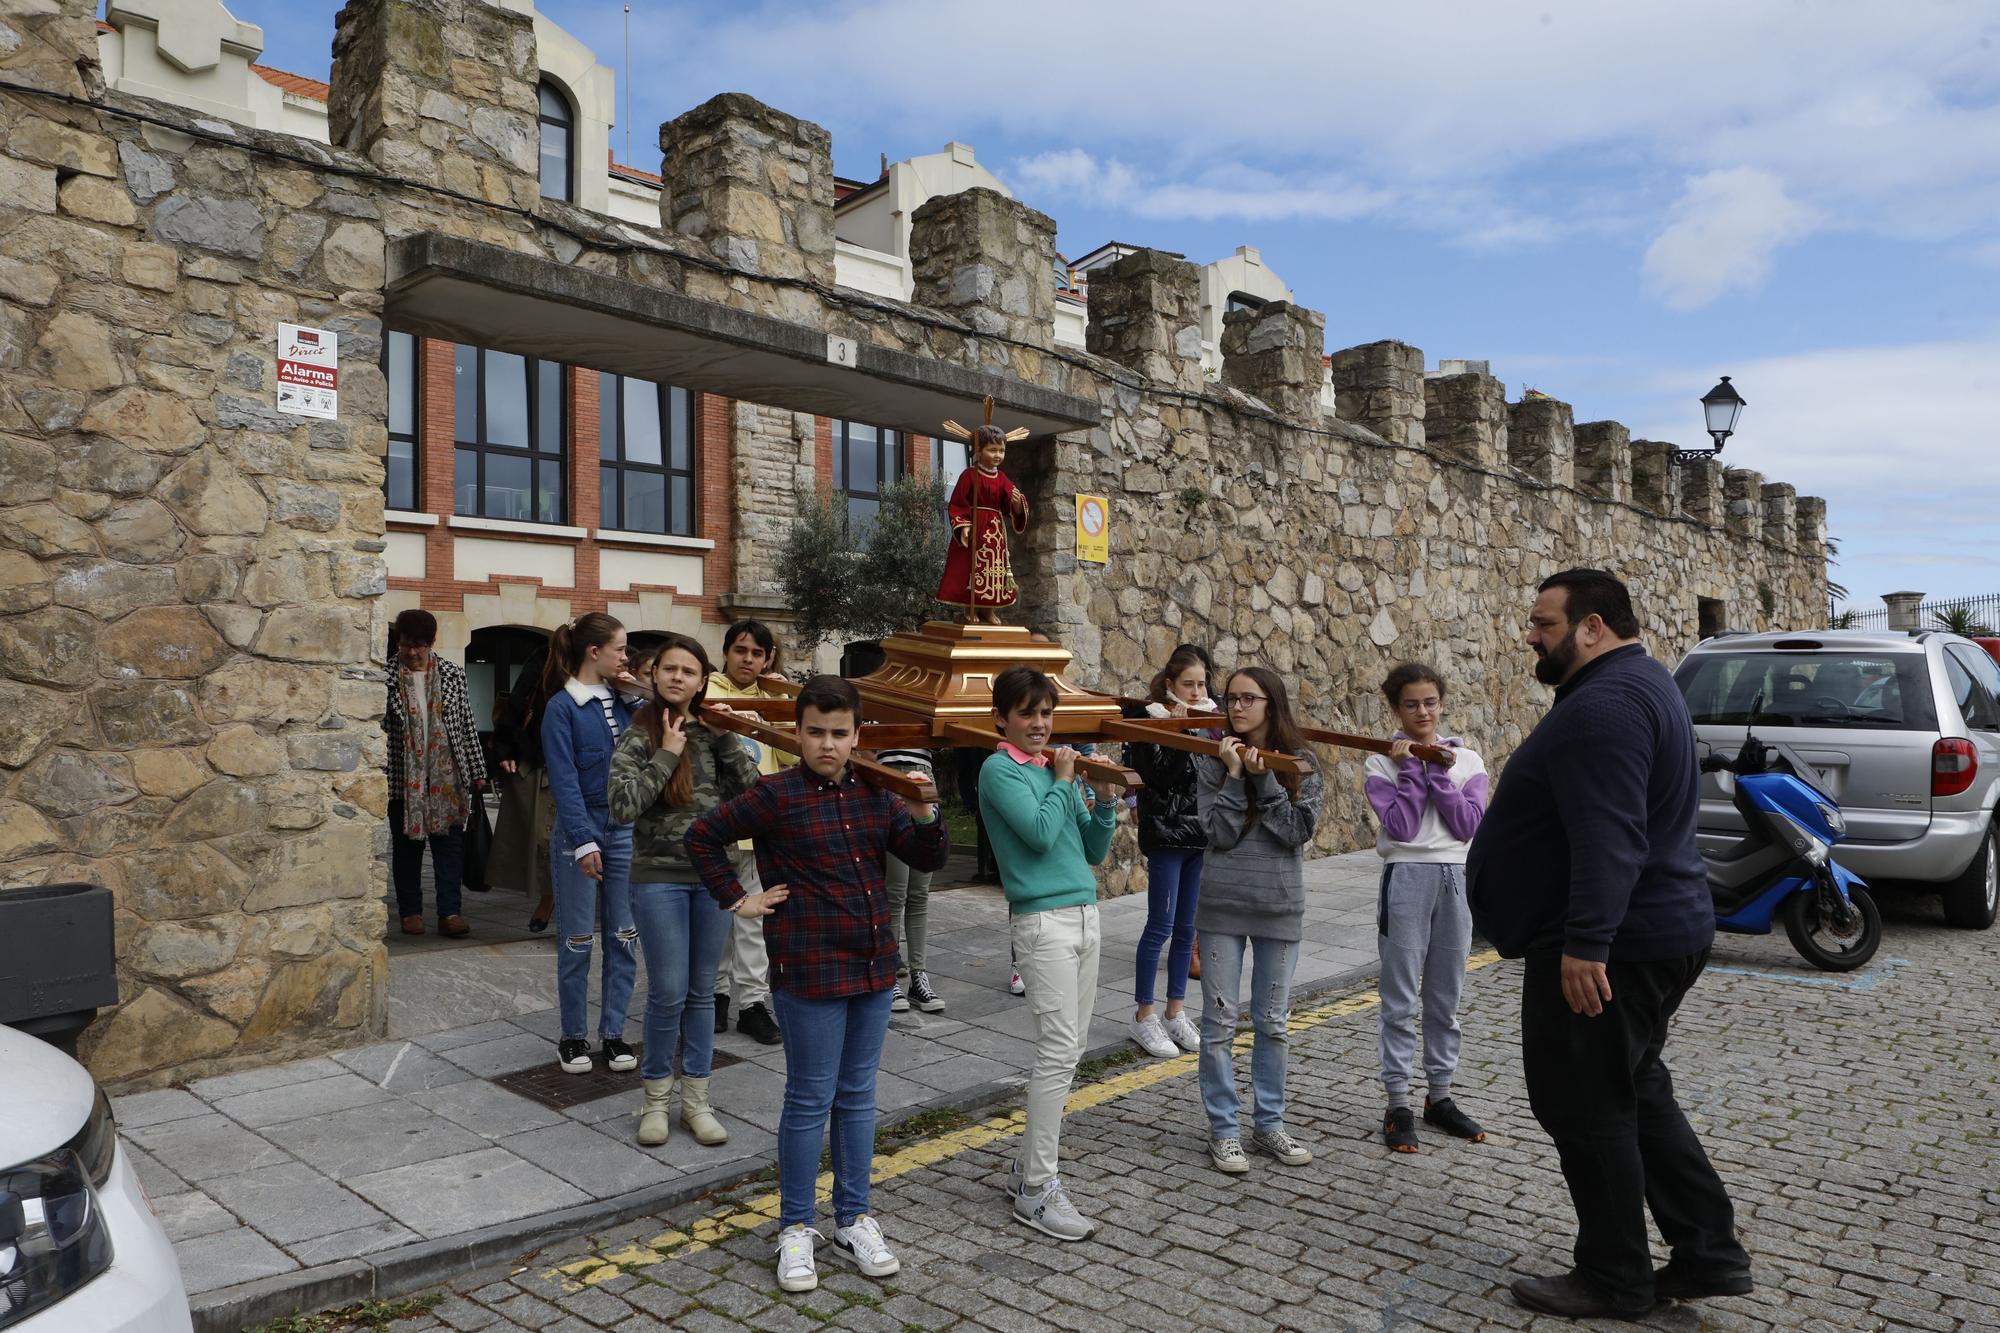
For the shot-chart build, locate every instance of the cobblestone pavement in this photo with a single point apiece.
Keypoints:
(1854, 1119)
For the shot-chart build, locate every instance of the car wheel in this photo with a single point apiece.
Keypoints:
(1970, 901)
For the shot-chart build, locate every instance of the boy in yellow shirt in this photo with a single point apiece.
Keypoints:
(749, 650)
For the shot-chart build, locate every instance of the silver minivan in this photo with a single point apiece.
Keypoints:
(1901, 729)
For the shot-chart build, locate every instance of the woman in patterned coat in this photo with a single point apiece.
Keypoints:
(437, 773)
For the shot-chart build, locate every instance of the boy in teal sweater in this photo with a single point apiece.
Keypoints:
(1046, 838)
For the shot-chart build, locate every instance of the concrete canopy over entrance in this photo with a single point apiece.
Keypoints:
(446, 287)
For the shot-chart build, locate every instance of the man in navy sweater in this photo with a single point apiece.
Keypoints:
(1586, 866)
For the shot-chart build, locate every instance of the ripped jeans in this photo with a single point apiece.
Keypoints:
(1272, 963)
(578, 898)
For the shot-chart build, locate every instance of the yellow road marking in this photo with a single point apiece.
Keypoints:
(736, 1218)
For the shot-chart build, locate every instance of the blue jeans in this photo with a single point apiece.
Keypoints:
(1272, 964)
(406, 865)
(578, 898)
(832, 1049)
(682, 933)
(1173, 887)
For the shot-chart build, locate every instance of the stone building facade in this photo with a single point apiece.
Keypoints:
(193, 587)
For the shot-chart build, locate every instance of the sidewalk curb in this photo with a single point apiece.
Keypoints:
(409, 1268)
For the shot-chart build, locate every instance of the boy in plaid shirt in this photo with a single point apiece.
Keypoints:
(821, 834)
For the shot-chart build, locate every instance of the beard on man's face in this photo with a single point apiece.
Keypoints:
(1552, 664)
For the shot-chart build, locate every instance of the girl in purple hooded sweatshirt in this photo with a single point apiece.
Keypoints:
(1428, 813)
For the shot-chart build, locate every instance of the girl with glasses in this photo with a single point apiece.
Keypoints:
(1257, 823)
(1428, 814)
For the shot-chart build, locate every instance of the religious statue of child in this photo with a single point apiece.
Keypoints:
(978, 570)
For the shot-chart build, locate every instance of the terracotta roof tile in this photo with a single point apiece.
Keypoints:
(293, 83)
(631, 173)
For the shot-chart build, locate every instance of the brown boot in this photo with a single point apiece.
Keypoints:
(454, 928)
(413, 925)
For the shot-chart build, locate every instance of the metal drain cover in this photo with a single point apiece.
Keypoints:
(545, 1084)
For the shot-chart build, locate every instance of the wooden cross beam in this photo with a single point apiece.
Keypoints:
(1090, 766)
(1436, 754)
(1151, 732)
(878, 775)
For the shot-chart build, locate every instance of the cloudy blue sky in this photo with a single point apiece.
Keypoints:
(1613, 203)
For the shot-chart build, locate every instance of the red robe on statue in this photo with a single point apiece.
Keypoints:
(978, 571)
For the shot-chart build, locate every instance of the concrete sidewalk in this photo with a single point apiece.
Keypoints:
(395, 1165)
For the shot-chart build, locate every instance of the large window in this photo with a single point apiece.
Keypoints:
(645, 455)
(865, 460)
(949, 459)
(558, 132)
(510, 428)
(399, 478)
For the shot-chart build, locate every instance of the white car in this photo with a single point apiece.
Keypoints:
(80, 1248)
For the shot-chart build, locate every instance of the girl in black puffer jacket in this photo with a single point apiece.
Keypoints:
(1172, 841)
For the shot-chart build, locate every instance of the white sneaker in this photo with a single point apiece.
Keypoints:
(1017, 986)
(1227, 1154)
(899, 1003)
(1049, 1210)
(1183, 1031)
(862, 1245)
(1151, 1034)
(797, 1270)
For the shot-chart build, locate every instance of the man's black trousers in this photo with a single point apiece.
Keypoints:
(1600, 1090)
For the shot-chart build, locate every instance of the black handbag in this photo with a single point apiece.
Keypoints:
(478, 847)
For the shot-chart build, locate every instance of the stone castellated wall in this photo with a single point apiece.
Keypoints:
(191, 584)
(1414, 524)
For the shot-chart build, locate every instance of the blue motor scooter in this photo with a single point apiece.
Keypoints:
(1784, 864)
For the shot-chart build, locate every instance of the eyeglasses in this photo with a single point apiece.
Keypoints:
(1242, 700)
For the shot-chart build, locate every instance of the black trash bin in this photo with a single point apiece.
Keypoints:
(57, 960)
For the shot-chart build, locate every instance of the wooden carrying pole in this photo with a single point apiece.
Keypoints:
(877, 775)
(1436, 754)
(1151, 732)
(1090, 766)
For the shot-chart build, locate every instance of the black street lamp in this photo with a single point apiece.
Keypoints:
(1720, 407)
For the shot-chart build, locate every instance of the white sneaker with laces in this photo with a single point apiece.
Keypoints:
(861, 1244)
(1227, 1154)
(1183, 1031)
(1017, 986)
(797, 1270)
(1049, 1210)
(899, 1003)
(1151, 1034)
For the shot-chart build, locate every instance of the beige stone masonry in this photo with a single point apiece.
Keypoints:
(988, 260)
(1541, 440)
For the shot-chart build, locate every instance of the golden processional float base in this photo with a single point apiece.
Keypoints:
(935, 691)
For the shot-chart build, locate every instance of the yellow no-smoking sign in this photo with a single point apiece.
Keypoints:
(1093, 529)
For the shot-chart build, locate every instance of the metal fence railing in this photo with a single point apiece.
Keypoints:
(1981, 612)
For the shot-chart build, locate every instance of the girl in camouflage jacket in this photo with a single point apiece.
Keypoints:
(669, 768)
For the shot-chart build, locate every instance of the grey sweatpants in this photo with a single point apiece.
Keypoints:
(909, 908)
(1424, 932)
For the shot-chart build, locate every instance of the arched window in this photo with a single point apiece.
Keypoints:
(558, 133)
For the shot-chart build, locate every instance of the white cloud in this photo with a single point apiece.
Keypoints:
(1235, 192)
(1437, 114)
(1721, 235)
